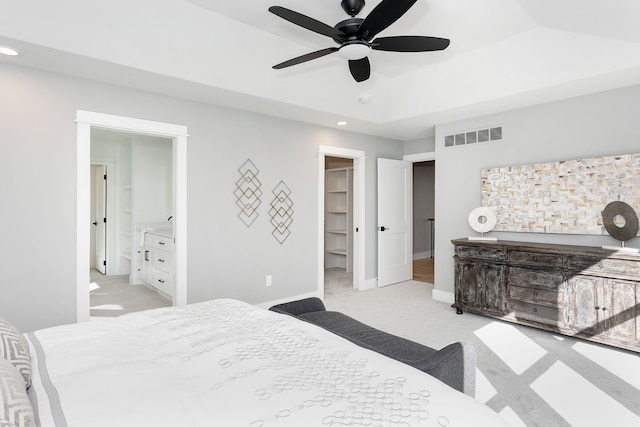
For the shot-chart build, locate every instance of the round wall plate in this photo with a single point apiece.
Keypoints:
(630, 228)
(482, 219)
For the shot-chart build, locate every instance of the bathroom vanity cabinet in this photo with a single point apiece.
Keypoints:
(157, 261)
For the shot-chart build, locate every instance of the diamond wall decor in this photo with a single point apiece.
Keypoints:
(281, 212)
(248, 192)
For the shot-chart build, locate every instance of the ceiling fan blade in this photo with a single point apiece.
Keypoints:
(384, 14)
(305, 58)
(306, 22)
(410, 44)
(360, 69)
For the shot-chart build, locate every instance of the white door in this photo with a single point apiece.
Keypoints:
(100, 219)
(395, 211)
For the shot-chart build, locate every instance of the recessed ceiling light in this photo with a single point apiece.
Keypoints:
(341, 123)
(9, 51)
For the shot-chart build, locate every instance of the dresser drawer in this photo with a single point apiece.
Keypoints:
(525, 277)
(604, 266)
(480, 253)
(535, 259)
(536, 296)
(537, 313)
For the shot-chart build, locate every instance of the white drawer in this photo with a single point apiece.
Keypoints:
(162, 260)
(162, 281)
(162, 242)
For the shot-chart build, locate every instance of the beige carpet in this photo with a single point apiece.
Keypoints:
(531, 377)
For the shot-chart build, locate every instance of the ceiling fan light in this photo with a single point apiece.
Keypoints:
(354, 51)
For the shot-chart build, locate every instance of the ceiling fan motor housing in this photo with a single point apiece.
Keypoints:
(356, 37)
(352, 7)
(349, 27)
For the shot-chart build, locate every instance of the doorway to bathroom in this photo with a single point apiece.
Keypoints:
(131, 190)
(88, 122)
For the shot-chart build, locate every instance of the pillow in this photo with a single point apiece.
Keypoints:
(16, 410)
(15, 349)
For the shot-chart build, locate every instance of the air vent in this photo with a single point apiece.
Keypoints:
(473, 137)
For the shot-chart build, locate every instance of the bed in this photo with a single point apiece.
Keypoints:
(225, 363)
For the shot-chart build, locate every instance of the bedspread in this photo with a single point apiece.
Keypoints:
(228, 363)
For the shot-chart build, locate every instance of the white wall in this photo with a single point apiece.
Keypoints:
(151, 178)
(590, 126)
(225, 258)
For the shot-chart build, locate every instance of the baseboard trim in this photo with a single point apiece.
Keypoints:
(421, 255)
(269, 304)
(443, 296)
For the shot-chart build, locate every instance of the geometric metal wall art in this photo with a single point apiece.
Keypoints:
(281, 212)
(248, 192)
(563, 196)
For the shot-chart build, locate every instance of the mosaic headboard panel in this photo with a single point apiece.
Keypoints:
(561, 197)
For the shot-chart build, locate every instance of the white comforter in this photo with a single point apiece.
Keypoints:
(227, 363)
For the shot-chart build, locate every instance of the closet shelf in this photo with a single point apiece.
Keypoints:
(337, 251)
(337, 231)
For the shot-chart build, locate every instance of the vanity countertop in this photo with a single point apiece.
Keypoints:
(163, 232)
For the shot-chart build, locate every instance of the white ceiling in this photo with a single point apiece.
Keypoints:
(504, 54)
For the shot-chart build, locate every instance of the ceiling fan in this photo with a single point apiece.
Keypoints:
(356, 35)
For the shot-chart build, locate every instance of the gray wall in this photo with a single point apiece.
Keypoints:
(419, 146)
(225, 258)
(590, 126)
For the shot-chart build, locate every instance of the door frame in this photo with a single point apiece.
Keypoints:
(426, 157)
(178, 133)
(358, 158)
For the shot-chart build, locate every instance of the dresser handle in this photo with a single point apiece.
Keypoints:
(160, 280)
(535, 294)
(597, 307)
(604, 308)
(161, 243)
(534, 277)
(535, 310)
(160, 260)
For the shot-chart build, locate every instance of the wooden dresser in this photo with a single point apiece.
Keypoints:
(580, 291)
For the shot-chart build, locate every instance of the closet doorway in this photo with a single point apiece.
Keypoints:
(338, 224)
(342, 233)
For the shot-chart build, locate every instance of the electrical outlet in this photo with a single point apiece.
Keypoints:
(268, 280)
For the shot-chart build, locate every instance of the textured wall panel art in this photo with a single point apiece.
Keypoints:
(248, 192)
(281, 212)
(561, 197)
